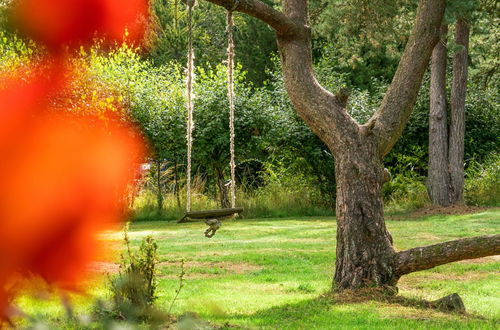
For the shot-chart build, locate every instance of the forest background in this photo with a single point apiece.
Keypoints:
(283, 169)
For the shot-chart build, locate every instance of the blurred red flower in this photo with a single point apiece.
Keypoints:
(56, 23)
(63, 178)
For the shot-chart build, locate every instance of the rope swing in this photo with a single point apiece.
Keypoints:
(211, 217)
(230, 97)
(190, 96)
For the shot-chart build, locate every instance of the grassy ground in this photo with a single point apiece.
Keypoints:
(273, 274)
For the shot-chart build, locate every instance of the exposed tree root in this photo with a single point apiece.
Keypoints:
(449, 304)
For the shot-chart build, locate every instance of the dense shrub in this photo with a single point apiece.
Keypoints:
(482, 184)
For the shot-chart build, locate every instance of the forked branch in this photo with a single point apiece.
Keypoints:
(427, 257)
(390, 119)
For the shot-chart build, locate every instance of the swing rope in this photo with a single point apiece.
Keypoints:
(230, 96)
(190, 96)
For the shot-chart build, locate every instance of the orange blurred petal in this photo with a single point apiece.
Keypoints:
(77, 22)
(62, 181)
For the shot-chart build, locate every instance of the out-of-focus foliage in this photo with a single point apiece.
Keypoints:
(14, 52)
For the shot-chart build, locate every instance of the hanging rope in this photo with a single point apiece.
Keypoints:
(190, 96)
(230, 96)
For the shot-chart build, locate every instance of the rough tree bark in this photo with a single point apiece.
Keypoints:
(438, 178)
(445, 182)
(365, 256)
(457, 124)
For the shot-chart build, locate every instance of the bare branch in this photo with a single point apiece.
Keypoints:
(426, 257)
(274, 18)
(390, 119)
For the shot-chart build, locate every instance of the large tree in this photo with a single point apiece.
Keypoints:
(365, 254)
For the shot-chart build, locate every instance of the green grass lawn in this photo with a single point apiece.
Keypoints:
(273, 273)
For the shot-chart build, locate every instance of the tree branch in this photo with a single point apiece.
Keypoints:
(274, 18)
(427, 257)
(390, 119)
(320, 109)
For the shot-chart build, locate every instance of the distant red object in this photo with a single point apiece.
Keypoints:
(56, 23)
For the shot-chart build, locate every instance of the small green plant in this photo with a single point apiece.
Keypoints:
(134, 288)
(181, 285)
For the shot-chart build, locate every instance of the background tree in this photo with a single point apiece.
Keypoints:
(438, 178)
(155, 98)
(446, 154)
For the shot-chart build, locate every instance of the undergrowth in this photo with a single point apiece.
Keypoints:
(298, 196)
(482, 184)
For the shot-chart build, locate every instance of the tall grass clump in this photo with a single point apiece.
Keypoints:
(283, 194)
(145, 205)
(133, 291)
(482, 183)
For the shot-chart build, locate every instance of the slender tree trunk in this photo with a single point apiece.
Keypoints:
(223, 189)
(438, 181)
(364, 246)
(176, 183)
(457, 125)
(159, 194)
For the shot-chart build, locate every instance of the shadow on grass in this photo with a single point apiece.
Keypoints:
(334, 311)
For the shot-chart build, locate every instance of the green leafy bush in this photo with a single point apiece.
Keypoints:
(405, 193)
(482, 184)
(406, 190)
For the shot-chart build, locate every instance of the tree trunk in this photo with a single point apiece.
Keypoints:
(223, 189)
(457, 125)
(364, 246)
(438, 181)
(159, 193)
(176, 183)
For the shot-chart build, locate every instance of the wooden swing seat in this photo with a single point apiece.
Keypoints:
(210, 214)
